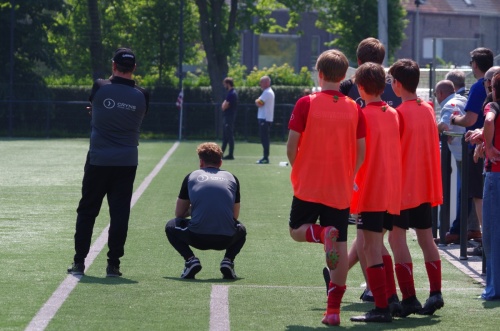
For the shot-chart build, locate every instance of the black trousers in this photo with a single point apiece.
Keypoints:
(181, 238)
(264, 129)
(228, 134)
(116, 183)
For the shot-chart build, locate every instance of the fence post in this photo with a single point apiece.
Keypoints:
(464, 212)
(444, 215)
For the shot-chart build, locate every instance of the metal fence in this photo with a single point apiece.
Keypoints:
(56, 119)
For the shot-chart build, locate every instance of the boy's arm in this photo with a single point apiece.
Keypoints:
(292, 145)
(360, 153)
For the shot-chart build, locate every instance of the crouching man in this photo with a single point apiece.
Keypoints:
(211, 197)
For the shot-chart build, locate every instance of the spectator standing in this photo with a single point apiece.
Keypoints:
(211, 196)
(118, 108)
(491, 207)
(457, 76)
(229, 108)
(265, 115)
(481, 61)
(450, 103)
(322, 182)
(421, 189)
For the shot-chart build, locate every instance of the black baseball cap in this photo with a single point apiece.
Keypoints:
(124, 57)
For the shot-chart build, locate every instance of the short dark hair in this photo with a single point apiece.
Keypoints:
(407, 72)
(483, 58)
(370, 50)
(333, 64)
(210, 153)
(496, 85)
(371, 76)
(229, 81)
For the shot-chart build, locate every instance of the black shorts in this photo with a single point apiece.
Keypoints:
(375, 221)
(475, 176)
(304, 212)
(418, 218)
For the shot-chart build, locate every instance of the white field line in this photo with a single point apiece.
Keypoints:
(51, 306)
(219, 301)
(219, 308)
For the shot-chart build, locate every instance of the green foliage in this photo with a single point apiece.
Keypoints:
(282, 75)
(68, 80)
(354, 21)
(32, 20)
(150, 27)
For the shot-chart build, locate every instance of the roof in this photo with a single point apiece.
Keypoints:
(461, 7)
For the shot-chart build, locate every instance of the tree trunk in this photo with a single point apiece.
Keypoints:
(215, 43)
(96, 49)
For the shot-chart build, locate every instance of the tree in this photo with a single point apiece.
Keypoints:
(96, 48)
(220, 25)
(353, 21)
(32, 20)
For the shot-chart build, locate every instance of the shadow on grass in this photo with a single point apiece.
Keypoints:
(107, 280)
(209, 280)
(491, 304)
(412, 321)
(397, 323)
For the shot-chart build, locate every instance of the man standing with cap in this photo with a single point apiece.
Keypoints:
(118, 108)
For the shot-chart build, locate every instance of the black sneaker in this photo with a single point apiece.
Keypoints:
(375, 315)
(395, 307)
(191, 268)
(76, 269)
(367, 296)
(410, 305)
(433, 303)
(113, 271)
(227, 269)
(475, 251)
(263, 161)
(228, 157)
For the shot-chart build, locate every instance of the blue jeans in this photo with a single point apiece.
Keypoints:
(491, 233)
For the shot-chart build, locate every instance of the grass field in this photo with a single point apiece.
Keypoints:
(280, 285)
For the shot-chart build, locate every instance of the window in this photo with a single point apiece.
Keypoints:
(277, 49)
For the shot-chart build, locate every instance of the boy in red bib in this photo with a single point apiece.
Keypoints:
(381, 168)
(421, 189)
(325, 155)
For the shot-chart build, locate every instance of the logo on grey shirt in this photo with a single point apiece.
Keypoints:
(109, 103)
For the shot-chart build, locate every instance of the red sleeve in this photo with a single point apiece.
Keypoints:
(361, 129)
(299, 115)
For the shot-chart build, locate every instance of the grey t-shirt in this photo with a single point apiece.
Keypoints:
(118, 108)
(212, 193)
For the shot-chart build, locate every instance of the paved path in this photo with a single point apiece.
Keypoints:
(472, 266)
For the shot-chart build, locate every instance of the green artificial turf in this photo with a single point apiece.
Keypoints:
(280, 284)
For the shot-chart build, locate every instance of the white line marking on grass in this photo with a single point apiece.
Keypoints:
(219, 308)
(50, 308)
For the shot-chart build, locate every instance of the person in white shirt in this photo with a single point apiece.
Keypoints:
(265, 115)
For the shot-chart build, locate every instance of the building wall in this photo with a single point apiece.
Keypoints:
(458, 34)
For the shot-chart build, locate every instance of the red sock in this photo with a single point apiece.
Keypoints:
(390, 281)
(335, 294)
(434, 275)
(404, 273)
(314, 233)
(376, 279)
